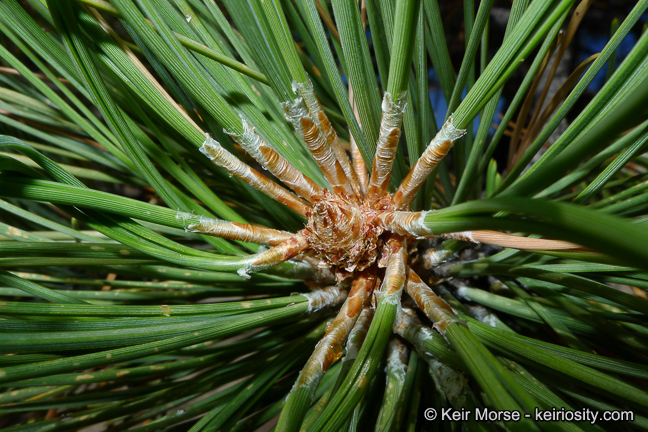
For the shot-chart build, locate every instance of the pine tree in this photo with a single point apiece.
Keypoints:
(225, 215)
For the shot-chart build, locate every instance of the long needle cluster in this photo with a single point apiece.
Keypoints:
(355, 226)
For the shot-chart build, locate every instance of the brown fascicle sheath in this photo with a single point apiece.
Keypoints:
(325, 158)
(233, 165)
(329, 349)
(422, 168)
(432, 305)
(238, 231)
(275, 163)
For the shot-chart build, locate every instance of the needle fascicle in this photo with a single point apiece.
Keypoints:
(403, 222)
(413, 223)
(412, 182)
(326, 160)
(396, 368)
(435, 151)
(329, 349)
(432, 305)
(340, 153)
(359, 166)
(393, 108)
(396, 271)
(282, 252)
(234, 230)
(275, 255)
(307, 105)
(275, 163)
(329, 296)
(233, 165)
(358, 334)
(430, 259)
